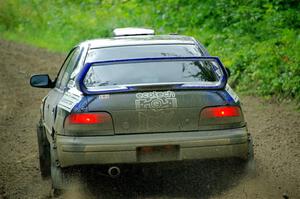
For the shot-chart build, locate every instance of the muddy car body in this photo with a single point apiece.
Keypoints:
(138, 99)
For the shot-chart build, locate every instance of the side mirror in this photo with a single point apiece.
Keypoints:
(41, 81)
(228, 71)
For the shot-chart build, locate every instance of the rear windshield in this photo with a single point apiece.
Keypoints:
(152, 72)
(129, 52)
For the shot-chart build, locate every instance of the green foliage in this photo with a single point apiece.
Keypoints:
(258, 40)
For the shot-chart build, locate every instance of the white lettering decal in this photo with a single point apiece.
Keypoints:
(69, 100)
(156, 100)
(232, 93)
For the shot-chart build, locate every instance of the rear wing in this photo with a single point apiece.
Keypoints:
(176, 85)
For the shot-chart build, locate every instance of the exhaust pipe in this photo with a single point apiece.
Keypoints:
(114, 171)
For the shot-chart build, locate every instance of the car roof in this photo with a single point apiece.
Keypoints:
(139, 40)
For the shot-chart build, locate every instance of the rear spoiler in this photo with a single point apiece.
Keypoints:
(127, 88)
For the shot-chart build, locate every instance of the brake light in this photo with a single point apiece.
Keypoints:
(220, 112)
(88, 118)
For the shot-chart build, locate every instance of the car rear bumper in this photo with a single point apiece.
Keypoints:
(120, 149)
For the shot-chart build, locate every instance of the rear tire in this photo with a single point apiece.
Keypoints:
(62, 178)
(44, 151)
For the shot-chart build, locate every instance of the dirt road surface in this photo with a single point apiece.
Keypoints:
(275, 129)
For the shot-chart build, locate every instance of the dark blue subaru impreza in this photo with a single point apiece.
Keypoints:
(138, 98)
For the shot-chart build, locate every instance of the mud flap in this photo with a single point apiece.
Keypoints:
(44, 151)
(62, 178)
(250, 166)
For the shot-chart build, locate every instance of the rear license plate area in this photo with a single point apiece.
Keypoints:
(157, 153)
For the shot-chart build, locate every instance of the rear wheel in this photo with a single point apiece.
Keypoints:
(44, 151)
(62, 178)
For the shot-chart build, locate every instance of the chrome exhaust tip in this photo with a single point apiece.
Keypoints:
(114, 172)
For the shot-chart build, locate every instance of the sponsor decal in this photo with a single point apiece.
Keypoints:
(104, 97)
(232, 94)
(156, 100)
(155, 109)
(70, 99)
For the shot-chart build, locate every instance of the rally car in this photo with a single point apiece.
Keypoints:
(138, 98)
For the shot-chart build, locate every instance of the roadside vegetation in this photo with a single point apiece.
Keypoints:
(258, 40)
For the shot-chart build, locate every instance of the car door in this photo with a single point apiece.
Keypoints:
(56, 94)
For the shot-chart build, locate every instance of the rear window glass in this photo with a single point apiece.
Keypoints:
(129, 52)
(152, 72)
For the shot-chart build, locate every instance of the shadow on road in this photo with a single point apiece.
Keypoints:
(189, 180)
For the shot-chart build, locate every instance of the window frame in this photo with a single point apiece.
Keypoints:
(59, 84)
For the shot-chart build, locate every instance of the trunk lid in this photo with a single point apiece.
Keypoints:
(155, 111)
